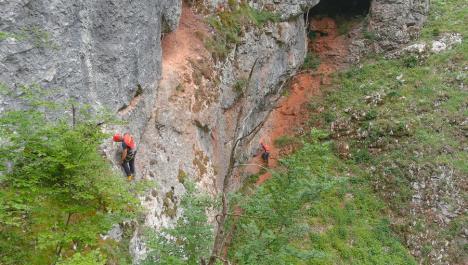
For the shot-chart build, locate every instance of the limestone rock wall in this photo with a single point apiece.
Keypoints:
(193, 127)
(108, 53)
(101, 53)
(285, 8)
(390, 25)
(396, 22)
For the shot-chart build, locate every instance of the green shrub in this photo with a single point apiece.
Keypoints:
(57, 191)
(369, 35)
(329, 116)
(285, 140)
(230, 26)
(361, 156)
(311, 61)
(218, 48)
(91, 258)
(192, 237)
(410, 61)
(306, 215)
(33, 34)
(240, 86)
(371, 115)
(345, 23)
(3, 35)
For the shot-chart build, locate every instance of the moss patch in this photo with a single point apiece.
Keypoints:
(181, 176)
(201, 163)
(230, 25)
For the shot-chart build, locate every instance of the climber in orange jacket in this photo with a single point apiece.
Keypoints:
(128, 153)
(265, 153)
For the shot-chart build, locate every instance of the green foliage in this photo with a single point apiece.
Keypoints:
(57, 191)
(446, 16)
(311, 61)
(92, 258)
(33, 34)
(218, 47)
(231, 24)
(403, 115)
(410, 61)
(39, 37)
(329, 116)
(392, 125)
(285, 140)
(312, 214)
(21, 36)
(345, 23)
(4, 35)
(361, 156)
(312, 35)
(369, 35)
(191, 238)
(240, 86)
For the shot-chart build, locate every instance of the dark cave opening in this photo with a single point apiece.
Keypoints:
(346, 14)
(342, 8)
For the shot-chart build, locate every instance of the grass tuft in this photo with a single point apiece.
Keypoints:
(231, 24)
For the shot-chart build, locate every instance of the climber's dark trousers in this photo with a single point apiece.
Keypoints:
(265, 157)
(129, 167)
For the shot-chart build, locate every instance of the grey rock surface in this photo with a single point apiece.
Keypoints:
(422, 49)
(396, 22)
(101, 53)
(391, 25)
(193, 126)
(289, 8)
(109, 54)
(285, 8)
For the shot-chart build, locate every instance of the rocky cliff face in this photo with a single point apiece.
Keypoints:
(396, 22)
(286, 9)
(185, 109)
(391, 24)
(199, 112)
(102, 53)
(109, 54)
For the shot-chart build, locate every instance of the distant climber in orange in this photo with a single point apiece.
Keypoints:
(265, 153)
(128, 153)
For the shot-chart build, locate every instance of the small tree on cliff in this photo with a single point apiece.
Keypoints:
(190, 240)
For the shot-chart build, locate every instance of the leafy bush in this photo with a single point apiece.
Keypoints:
(33, 34)
(329, 116)
(285, 140)
(311, 61)
(369, 35)
(361, 156)
(4, 35)
(240, 86)
(371, 115)
(91, 258)
(230, 26)
(410, 61)
(412, 134)
(57, 191)
(309, 215)
(191, 238)
(345, 23)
